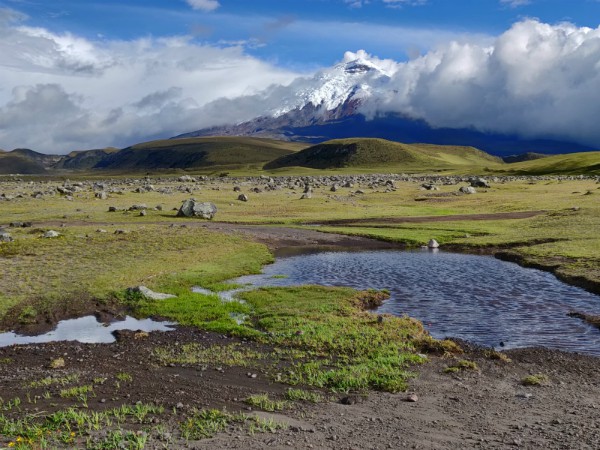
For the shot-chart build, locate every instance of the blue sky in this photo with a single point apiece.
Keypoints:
(274, 29)
(78, 74)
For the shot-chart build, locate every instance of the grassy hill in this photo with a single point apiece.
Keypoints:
(587, 163)
(197, 153)
(387, 155)
(16, 163)
(85, 159)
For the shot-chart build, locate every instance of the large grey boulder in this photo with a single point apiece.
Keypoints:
(468, 190)
(5, 237)
(149, 294)
(479, 183)
(192, 208)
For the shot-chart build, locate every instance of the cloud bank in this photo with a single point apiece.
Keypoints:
(60, 93)
(536, 80)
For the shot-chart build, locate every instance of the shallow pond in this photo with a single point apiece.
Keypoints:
(86, 330)
(477, 298)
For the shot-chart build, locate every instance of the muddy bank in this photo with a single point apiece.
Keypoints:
(488, 407)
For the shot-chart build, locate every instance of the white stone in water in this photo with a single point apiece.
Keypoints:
(433, 244)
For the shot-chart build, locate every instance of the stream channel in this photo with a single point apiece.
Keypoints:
(476, 298)
(480, 299)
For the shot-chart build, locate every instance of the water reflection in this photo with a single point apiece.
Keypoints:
(477, 298)
(86, 330)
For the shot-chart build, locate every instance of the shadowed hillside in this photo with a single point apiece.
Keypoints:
(84, 160)
(196, 153)
(359, 153)
(16, 163)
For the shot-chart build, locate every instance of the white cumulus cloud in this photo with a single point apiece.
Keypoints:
(204, 5)
(61, 92)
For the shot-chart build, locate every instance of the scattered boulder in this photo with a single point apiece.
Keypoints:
(479, 183)
(433, 244)
(112, 209)
(243, 198)
(5, 237)
(149, 294)
(139, 207)
(192, 208)
(51, 234)
(468, 190)
(101, 195)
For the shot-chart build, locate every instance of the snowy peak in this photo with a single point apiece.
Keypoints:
(350, 81)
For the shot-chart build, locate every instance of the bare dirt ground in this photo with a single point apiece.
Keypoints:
(486, 408)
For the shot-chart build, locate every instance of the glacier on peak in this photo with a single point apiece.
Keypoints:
(333, 87)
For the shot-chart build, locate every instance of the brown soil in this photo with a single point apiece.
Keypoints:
(487, 408)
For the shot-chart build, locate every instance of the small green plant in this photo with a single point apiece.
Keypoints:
(535, 380)
(50, 381)
(28, 315)
(497, 356)
(259, 425)
(205, 424)
(461, 366)
(124, 376)
(263, 401)
(77, 391)
(303, 395)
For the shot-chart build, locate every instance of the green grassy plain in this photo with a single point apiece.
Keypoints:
(310, 337)
(86, 263)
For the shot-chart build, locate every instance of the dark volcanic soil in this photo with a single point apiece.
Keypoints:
(487, 408)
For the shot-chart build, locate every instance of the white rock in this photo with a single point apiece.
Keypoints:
(433, 244)
(149, 294)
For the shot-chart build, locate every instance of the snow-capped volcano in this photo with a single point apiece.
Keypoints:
(363, 96)
(331, 94)
(350, 81)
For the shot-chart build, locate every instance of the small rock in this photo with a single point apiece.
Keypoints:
(412, 398)
(50, 234)
(433, 244)
(149, 294)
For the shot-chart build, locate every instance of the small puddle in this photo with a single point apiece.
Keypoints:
(87, 330)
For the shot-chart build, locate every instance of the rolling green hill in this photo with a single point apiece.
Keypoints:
(196, 153)
(388, 155)
(84, 160)
(16, 163)
(587, 163)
